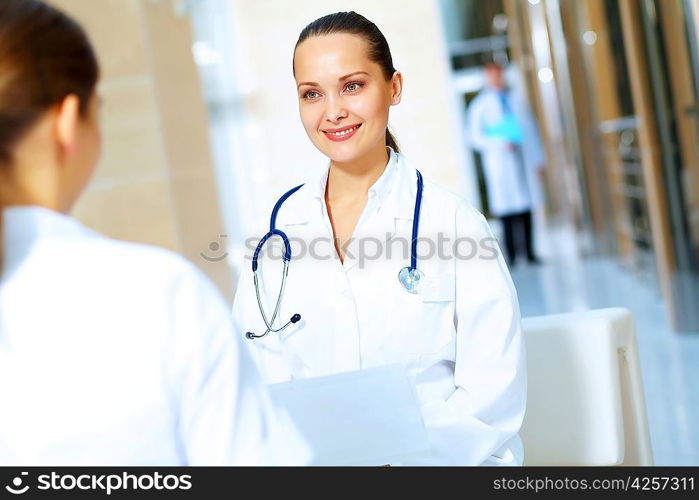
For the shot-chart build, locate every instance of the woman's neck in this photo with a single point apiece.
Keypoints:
(353, 180)
(33, 189)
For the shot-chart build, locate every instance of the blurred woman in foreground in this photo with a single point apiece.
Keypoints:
(110, 353)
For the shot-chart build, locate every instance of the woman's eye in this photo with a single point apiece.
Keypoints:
(354, 86)
(311, 94)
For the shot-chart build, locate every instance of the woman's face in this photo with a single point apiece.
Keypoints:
(344, 97)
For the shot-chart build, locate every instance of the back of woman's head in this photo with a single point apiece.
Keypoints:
(356, 24)
(44, 57)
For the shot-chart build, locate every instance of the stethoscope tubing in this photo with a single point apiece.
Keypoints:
(416, 221)
(269, 323)
(273, 231)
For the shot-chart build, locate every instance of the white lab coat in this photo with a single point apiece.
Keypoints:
(113, 353)
(460, 338)
(503, 169)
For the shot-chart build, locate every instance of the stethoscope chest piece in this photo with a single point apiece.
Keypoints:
(411, 279)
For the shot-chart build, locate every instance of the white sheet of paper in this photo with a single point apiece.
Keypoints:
(367, 417)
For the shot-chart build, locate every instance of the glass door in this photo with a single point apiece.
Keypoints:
(671, 44)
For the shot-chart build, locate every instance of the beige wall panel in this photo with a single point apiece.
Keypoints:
(115, 27)
(131, 135)
(183, 116)
(195, 207)
(135, 212)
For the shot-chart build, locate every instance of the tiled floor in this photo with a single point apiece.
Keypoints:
(669, 360)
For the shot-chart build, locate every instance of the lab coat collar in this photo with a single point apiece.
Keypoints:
(397, 188)
(30, 222)
(25, 226)
(380, 188)
(394, 215)
(400, 204)
(390, 185)
(384, 184)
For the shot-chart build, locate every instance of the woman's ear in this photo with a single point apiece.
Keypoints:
(396, 88)
(68, 115)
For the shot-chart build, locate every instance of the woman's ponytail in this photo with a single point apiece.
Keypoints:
(2, 239)
(391, 141)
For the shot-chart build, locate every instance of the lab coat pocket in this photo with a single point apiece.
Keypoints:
(427, 317)
(440, 288)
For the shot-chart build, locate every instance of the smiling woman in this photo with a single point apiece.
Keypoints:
(375, 47)
(347, 84)
(456, 329)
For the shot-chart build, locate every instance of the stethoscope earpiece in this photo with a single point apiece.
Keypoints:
(294, 319)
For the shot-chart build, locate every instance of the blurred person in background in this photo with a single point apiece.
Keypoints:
(110, 353)
(504, 131)
(457, 332)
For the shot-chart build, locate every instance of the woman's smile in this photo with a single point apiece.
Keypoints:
(341, 134)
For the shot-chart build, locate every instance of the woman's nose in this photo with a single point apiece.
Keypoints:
(334, 110)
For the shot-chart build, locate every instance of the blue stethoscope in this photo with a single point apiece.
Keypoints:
(409, 277)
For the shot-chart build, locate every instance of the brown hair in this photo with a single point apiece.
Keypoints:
(356, 24)
(44, 57)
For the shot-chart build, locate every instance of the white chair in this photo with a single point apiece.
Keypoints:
(585, 402)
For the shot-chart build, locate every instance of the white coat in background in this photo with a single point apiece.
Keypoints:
(459, 338)
(114, 353)
(507, 194)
